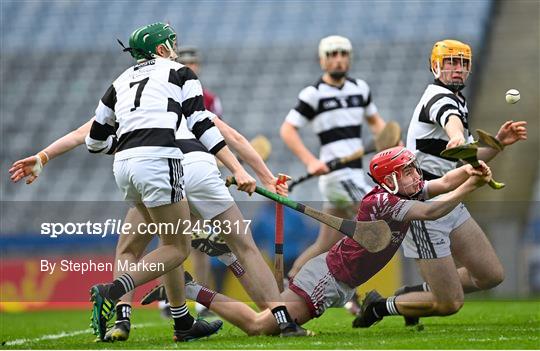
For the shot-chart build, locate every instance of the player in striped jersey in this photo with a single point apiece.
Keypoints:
(144, 107)
(330, 279)
(336, 107)
(209, 199)
(441, 120)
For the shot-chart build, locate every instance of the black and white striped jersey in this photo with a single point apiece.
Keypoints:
(146, 104)
(336, 115)
(193, 149)
(426, 136)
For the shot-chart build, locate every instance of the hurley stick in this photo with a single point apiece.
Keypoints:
(278, 238)
(374, 236)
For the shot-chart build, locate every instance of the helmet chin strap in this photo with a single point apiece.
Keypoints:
(396, 186)
(437, 73)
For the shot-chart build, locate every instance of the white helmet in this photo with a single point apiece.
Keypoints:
(334, 43)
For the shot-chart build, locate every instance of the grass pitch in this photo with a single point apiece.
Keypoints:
(479, 325)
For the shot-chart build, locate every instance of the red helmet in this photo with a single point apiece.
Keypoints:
(389, 163)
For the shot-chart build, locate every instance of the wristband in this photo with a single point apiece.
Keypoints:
(43, 157)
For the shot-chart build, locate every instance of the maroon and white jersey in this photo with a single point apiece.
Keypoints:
(351, 263)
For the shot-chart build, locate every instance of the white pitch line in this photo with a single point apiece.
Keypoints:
(64, 335)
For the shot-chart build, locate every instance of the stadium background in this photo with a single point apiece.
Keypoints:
(58, 57)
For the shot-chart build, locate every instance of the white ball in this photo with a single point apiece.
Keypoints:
(512, 96)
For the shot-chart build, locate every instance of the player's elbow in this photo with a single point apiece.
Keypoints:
(435, 211)
(286, 130)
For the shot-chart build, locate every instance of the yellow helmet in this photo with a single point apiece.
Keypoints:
(448, 48)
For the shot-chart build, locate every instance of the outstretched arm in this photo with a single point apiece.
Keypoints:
(30, 167)
(247, 153)
(451, 180)
(509, 133)
(432, 210)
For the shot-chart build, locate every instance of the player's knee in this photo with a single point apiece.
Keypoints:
(174, 254)
(495, 278)
(183, 251)
(447, 308)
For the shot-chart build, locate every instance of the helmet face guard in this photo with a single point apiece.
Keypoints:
(451, 50)
(145, 40)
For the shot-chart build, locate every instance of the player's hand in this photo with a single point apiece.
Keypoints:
(486, 171)
(28, 168)
(269, 184)
(512, 132)
(455, 141)
(272, 185)
(485, 174)
(471, 171)
(282, 188)
(244, 181)
(317, 167)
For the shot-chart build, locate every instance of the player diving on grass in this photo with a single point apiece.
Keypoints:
(330, 279)
(208, 192)
(441, 121)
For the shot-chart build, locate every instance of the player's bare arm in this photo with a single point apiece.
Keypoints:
(510, 133)
(30, 167)
(291, 137)
(452, 180)
(231, 162)
(446, 203)
(455, 131)
(376, 123)
(241, 145)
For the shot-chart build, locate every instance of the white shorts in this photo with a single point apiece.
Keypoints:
(343, 187)
(206, 191)
(431, 239)
(152, 181)
(318, 287)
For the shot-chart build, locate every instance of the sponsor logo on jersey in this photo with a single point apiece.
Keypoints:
(144, 64)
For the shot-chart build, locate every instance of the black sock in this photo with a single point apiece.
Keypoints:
(120, 286)
(281, 315)
(385, 307)
(420, 287)
(123, 312)
(182, 319)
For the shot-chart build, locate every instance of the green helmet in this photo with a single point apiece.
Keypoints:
(143, 41)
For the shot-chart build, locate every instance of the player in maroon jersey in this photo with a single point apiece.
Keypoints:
(190, 56)
(330, 279)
